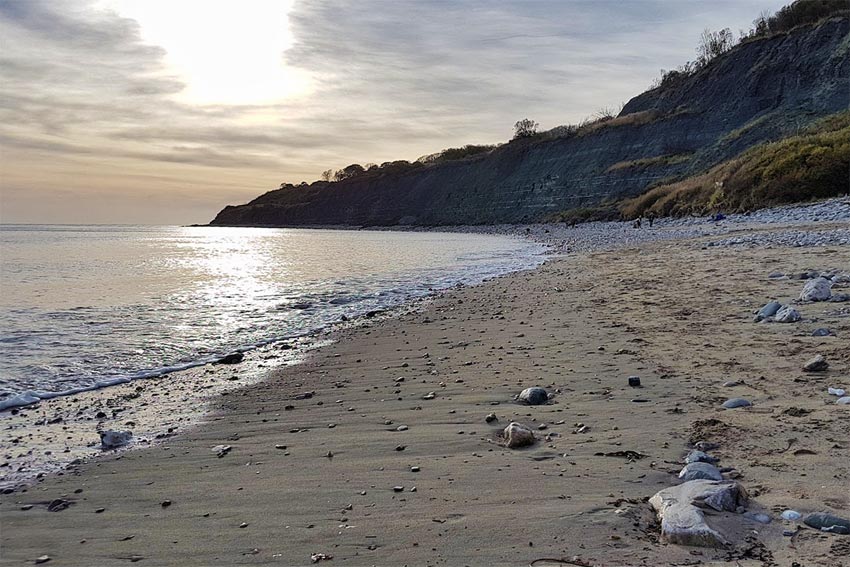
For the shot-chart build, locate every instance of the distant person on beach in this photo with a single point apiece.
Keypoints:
(651, 218)
(637, 222)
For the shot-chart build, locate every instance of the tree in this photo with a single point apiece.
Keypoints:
(348, 172)
(327, 174)
(525, 128)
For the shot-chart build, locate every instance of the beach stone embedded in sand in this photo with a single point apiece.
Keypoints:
(700, 457)
(843, 401)
(769, 310)
(816, 364)
(682, 520)
(818, 289)
(110, 439)
(736, 403)
(828, 523)
(821, 332)
(534, 396)
(787, 314)
(517, 435)
(232, 358)
(700, 470)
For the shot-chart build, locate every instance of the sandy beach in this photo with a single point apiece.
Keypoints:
(376, 451)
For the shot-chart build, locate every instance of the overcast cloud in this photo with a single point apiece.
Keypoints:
(94, 130)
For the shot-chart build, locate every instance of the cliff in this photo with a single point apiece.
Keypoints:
(761, 90)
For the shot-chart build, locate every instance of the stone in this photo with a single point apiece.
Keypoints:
(758, 517)
(232, 358)
(700, 457)
(836, 392)
(700, 470)
(843, 401)
(821, 332)
(787, 314)
(818, 289)
(816, 364)
(680, 510)
(110, 439)
(57, 505)
(634, 381)
(828, 523)
(791, 515)
(517, 435)
(767, 311)
(221, 450)
(733, 403)
(534, 396)
(42, 559)
(491, 417)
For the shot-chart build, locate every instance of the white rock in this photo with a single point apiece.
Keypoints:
(836, 392)
(818, 289)
(114, 439)
(791, 515)
(844, 401)
(682, 519)
(517, 435)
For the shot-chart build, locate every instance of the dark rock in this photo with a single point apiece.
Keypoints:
(232, 358)
(827, 523)
(634, 381)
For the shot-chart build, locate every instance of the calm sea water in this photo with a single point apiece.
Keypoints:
(87, 306)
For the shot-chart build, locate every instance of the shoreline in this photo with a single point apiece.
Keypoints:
(295, 379)
(310, 474)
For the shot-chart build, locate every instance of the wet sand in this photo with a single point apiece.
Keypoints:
(317, 474)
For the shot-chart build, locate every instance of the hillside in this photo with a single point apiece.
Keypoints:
(764, 89)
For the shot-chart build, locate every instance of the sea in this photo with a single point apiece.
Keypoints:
(88, 307)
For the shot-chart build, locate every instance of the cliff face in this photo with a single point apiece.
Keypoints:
(759, 91)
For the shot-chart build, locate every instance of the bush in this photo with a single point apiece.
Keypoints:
(812, 165)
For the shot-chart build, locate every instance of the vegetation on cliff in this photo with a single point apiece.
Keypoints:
(814, 164)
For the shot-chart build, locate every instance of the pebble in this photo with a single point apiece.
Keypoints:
(42, 559)
(534, 396)
(836, 392)
(491, 417)
(816, 364)
(634, 381)
(791, 515)
(517, 435)
(700, 470)
(699, 457)
(733, 403)
(821, 332)
(401, 428)
(787, 315)
(843, 401)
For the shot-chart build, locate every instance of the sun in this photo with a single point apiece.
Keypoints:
(227, 53)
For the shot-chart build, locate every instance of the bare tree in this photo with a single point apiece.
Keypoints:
(327, 175)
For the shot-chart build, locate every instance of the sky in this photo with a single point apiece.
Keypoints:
(164, 111)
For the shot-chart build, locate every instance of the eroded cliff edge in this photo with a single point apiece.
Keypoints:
(761, 90)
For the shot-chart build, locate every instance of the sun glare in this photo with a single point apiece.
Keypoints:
(226, 52)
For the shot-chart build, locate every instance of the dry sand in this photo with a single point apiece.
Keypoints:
(317, 475)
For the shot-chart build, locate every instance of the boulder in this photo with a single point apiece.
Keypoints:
(818, 289)
(534, 396)
(736, 403)
(769, 310)
(700, 470)
(816, 364)
(517, 435)
(821, 332)
(114, 439)
(787, 314)
(679, 509)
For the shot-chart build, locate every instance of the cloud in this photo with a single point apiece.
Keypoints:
(83, 94)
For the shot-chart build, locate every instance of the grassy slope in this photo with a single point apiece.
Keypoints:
(814, 164)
